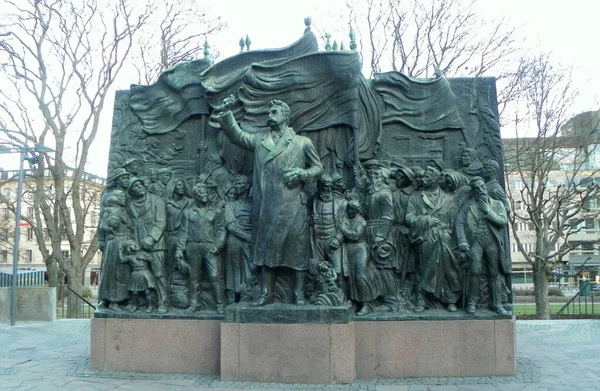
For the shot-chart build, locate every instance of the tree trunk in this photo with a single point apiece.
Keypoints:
(540, 288)
(52, 270)
(75, 303)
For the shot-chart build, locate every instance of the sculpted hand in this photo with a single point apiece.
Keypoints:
(435, 222)
(379, 240)
(463, 247)
(147, 243)
(215, 250)
(335, 244)
(291, 179)
(302, 175)
(227, 102)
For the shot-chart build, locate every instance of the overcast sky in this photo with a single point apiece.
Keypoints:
(567, 28)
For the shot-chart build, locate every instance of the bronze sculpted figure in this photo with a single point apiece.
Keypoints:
(284, 163)
(429, 217)
(379, 211)
(112, 232)
(364, 282)
(479, 233)
(238, 224)
(373, 232)
(148, 215)
(201, 239)
(326, 236)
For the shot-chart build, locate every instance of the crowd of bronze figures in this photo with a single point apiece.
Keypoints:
(400, 238)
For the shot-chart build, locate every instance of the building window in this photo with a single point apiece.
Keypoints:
(3, 256)
(30, 211)
(65, 254)
(5, 214)
(529, 247)
(29, 234)
(525, 227)
(28, 256)
(6, 193)
(518, 205)
(3, 234)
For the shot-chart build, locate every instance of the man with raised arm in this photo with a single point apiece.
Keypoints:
(284, 163)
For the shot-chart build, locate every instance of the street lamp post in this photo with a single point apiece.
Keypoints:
(17, 234)
(23, 150)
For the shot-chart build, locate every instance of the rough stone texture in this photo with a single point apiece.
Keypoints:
(506, 363)
(286, 313)
(33, 304)
(435, 348)
(156, 346)
(288, 353)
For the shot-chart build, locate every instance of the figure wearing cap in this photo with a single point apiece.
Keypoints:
(201, 238)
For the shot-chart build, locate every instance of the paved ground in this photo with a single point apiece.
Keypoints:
(552, 355)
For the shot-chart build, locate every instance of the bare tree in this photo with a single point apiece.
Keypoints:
(422, 38)
(549, 172)
(59, 60)
(179, 31)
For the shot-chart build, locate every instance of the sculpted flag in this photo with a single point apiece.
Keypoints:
(324, 90)
(426, 105)
(225, 77)
(320, 88)
(183, 90)
(176, 95)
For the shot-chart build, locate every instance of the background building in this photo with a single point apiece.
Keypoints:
(575, 163)
(30, 257)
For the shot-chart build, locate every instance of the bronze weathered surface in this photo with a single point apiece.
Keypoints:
(285, 178)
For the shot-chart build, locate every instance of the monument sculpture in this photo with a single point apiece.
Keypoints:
(310, 186)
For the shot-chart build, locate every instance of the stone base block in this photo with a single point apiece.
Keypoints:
(156, 345)
(33, 304)
(288, 353)
(287, 313)
(448, 348)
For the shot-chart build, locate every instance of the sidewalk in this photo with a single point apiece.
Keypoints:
(552, 355)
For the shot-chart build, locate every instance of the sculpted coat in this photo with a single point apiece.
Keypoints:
(280, 213)
(438, 270)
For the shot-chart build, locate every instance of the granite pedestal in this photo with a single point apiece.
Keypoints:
(288, 344)
(280, 347)
(188, 346)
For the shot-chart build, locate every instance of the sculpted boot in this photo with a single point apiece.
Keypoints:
(299, 291)
(218, 297)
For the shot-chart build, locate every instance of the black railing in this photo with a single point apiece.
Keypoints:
(71, 304)
(575, 306)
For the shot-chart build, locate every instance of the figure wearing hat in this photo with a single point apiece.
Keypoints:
(148, 215)
(163, 176)
(379, 209)
(403, 177)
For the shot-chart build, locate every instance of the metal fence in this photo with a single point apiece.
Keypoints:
(24, 278)
(72, 305)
